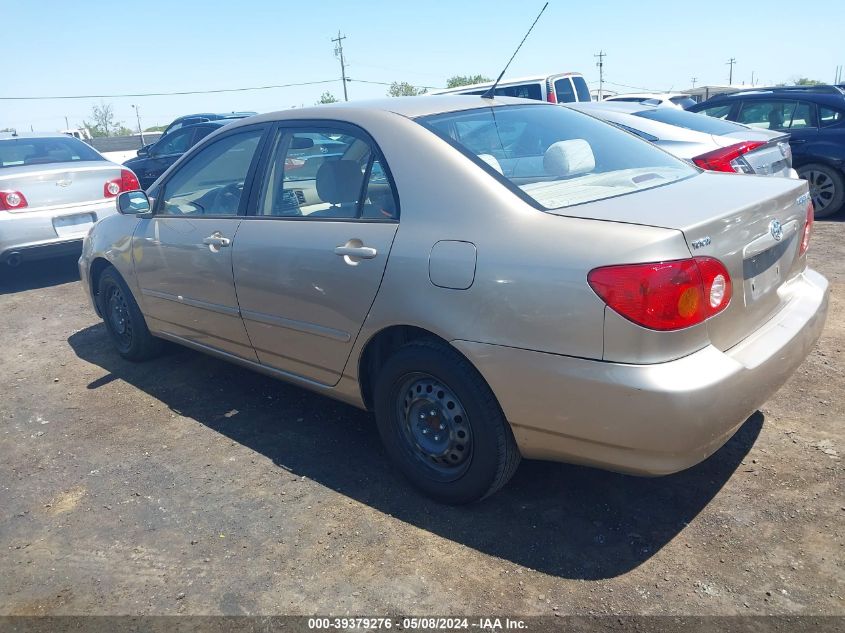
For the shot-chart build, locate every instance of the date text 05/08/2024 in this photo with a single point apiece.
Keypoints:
(420, 623)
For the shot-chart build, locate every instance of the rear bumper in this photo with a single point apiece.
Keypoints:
(649, 419)
(33, 234)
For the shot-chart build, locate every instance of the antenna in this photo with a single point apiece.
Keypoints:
(490, 93)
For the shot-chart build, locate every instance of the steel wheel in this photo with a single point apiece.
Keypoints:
(434, 425)
(822, 189)
(120, 322)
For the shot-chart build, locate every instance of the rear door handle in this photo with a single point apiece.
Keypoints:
(216, 240)
(797, 141)
(362, 252)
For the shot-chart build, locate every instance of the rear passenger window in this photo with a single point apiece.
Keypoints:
(326, 173)
(776, 115)
(829, 116)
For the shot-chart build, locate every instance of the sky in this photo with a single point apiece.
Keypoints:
(93, 47)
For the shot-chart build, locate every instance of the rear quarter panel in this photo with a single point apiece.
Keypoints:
(530, 289)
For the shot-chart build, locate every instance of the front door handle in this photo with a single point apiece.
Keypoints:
(360, 252)
(216, 241)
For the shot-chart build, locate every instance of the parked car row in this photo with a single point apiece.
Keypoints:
(815, 121)
(810, 118)
(493, 278)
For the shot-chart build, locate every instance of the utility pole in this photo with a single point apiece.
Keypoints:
(138, 117)
(694, 79)
(600, 64)
(731, 62)
(67, 125)
(338, 52)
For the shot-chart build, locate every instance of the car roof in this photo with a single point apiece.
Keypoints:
(13, 135)
(217, 115)
(647, 95)
(789, 95)
(625, 107)
(410, 107)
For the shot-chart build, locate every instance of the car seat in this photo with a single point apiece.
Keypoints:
(339, 183)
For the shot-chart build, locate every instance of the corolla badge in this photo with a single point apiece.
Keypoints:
(776, 229)
(701, 243)
(64, 182)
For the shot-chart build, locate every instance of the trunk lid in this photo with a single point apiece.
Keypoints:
(59, 184)
(736, 219)
(772, 159)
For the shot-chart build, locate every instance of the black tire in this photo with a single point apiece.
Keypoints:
(489, 457)
(827, 188)
(125, 323)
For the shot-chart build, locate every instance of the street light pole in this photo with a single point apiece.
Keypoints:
(138, 118)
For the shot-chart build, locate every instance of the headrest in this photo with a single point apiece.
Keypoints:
(491, 160)
(339, 181)
(569, 158)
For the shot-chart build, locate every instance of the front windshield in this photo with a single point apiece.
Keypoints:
(555, 156)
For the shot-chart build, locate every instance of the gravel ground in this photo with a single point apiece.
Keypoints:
(188, 485)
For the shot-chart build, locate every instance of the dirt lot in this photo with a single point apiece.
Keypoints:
(187, 485)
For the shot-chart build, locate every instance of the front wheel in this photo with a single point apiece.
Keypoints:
(827, 188)
(125, 323)
(441, 424)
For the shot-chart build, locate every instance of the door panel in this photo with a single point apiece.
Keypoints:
(186, 284)
(183, 255)
(303, 305)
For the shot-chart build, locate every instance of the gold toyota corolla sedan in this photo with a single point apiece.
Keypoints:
(494, 278)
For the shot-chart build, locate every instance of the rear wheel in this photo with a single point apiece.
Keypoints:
(827, 188)
(441, 424)
(125, 323)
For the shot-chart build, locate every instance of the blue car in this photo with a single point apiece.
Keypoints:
(153, 160)
(814, 117)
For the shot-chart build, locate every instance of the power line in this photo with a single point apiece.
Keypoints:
(169, 94)
(388, 83)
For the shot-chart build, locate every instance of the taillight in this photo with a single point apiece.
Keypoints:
(808, 226)
(665, 295)
(551, 97)
(729, 158)
(127, 182)
(11, 200)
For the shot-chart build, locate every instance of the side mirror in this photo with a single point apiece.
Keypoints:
(134, 203)
(145, 150)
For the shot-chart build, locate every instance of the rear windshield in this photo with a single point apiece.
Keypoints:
(691, 121)
(554, 156)
(581, 89)
(15, 152)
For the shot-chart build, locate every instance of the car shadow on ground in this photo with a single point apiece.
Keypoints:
(564, 520)
(39, 274)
